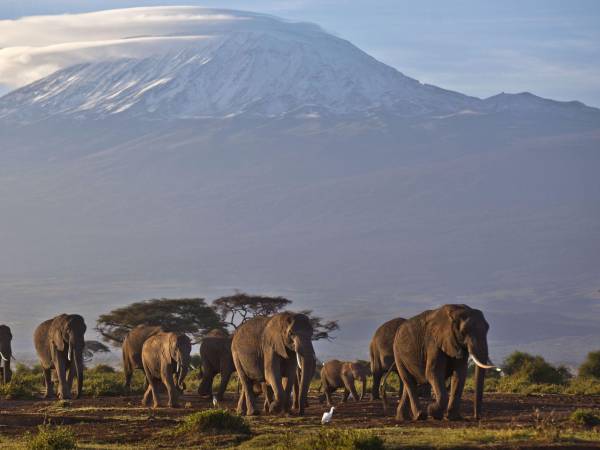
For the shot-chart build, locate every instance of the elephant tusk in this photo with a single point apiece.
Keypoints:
(480, 364)
(69, 353)
(178, 370)
(192, 366)
(298, 359)
(3, 357)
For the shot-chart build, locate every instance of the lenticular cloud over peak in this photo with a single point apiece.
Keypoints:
(36, 46)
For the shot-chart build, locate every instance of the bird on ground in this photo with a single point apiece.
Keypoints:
(327, 416)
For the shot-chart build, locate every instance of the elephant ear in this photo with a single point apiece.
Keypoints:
(57, 332)
(277, 332)
(172, 346)
(443, 327)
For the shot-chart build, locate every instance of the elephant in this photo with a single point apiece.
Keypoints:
(434, 346)
(337, 374)
(165, 355)
(267, 349)
(5, 353)
(59, 343)
(132, 349)
(215, 354)
(381, 351)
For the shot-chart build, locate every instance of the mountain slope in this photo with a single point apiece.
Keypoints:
(286, 161)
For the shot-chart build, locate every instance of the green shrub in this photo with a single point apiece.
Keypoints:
(591, 366)
(102, 368)
(51, 437)
(534, 369)
(583, 386)
(337, 439)
(100, 383)
(585, 417)
(22, 386)
(214, 421)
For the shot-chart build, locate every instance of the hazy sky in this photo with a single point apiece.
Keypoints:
(548, 47)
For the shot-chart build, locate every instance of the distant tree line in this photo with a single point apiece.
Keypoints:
(194, 317)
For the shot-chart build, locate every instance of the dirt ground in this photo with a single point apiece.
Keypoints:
(122, 421)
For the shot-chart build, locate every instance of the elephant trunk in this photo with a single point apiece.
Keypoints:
(479, 354)
(307, 364)
(182, 370)
(479, 382)
(78, 360)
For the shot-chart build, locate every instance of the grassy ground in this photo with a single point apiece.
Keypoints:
(107, 419)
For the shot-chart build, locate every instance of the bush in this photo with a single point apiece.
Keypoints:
(336, 439)
(534, 369)
(585, 417)
(52, 438)
(22, 386)
(102, 368)
(214, 421)
(583, 386)
(591, 366)
(99, 383)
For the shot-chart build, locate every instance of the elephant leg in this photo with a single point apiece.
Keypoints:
(267, 395)
(438, 384)
(247, 393)
(70, 374)
(241, 404)
(456, 389)
(377, 375)
(205, 387)
(225, 376)
(290, 384)
(60, 365)
(346, 395)
(128, 375)
(328, 391)
(172, 391)
(403, 412)
(146, 397)
(410, 385)
(350, 388)
(49, 384)
(273, 378)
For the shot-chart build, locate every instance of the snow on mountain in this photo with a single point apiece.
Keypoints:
(267, 67)
(336, 181)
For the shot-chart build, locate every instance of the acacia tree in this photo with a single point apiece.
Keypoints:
(91, 348)
(236, 309)
(185, 315)
(321, 329)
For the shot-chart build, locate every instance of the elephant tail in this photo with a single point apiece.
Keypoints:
(382, 387)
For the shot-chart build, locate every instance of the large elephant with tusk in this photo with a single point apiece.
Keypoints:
(268, 349)
(5, 353)
(435, 346)
(59, 343)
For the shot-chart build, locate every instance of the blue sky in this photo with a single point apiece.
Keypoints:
(549, 47)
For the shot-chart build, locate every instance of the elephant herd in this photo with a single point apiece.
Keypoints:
(275, 356)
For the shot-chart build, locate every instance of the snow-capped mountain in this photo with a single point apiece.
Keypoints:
(263, 72)
(287, 161)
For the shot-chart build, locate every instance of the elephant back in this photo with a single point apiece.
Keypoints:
(41, 343)
(382, 343)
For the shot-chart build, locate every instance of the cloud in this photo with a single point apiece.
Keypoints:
(34, 47)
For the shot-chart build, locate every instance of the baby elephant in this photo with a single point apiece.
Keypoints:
(337, 374)
(165, 356)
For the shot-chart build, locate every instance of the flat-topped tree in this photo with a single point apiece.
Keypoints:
(236, 309)
(185, 315)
